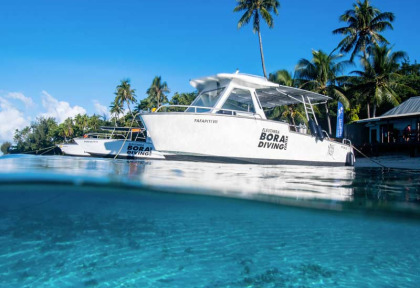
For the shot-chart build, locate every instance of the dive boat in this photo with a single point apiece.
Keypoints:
(226, 123)
(119, 142)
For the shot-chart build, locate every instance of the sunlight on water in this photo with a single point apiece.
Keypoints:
(84, 222)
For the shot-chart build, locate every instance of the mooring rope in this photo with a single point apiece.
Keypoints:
(38, 150)
(376, 162)
(125, 140)
(47, 150)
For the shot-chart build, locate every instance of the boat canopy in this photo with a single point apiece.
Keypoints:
(285, 95)
(269, 94)
(121, 129)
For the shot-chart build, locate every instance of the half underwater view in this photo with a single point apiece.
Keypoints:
(91, 222)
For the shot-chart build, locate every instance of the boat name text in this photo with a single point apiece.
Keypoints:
(272, 140)
(138, 150)
(205, 121)
(270, 131)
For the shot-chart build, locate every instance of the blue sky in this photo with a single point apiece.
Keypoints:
(58, 58)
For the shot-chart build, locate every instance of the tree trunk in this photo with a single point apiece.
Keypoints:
(374, 111)
(262, 53)
(368, 110)
(328, 118)
(293, 118)
(128, 105)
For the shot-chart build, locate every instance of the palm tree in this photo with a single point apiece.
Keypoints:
(68, 128)
(94, 122)
(81, 122)
(124, 94)
(379, 77)
(157, 92)
(282, 77)
(257, 9)
(286, 112)
(320, 75)
(365, 22)
(116, 108)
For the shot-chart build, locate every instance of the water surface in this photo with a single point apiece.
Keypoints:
(85, 222)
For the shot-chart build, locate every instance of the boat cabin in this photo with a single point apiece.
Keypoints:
(246, 95)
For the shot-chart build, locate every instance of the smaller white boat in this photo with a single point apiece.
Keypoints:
(119, 142)
(72, 149)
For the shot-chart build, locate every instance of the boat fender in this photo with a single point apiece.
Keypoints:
(312, 128)
(321, 135)
(350, 159)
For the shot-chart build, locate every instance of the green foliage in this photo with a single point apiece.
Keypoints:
(321, 75)
(294, 114)
(183, 98)
(5, 147)
(283, 77)
(353, 113)
(45, 132)
(124, 94)
(410, 80)
(116, 108)
(37, 136)
(365, 23)
(156, 94)
(379, 77)
(256, 9)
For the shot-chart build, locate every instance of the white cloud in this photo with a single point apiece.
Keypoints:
(10, 120)
(60, 110)
(19, 96)
(101, 109)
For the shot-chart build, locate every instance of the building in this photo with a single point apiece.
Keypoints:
(397, 130)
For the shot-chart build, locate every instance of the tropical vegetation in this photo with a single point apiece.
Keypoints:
(321, 75)
(365, 23)
(256, 10)
(156, 95)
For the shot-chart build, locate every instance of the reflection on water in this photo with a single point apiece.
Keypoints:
(291, 185)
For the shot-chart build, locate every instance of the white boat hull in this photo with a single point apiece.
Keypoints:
(124, 149)
(225, 138)
(72, 149)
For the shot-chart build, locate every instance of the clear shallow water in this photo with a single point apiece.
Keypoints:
(81, 222)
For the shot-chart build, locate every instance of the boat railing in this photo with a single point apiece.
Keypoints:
(203, 109)
(346, 141)
(298, 128)
(135, 136)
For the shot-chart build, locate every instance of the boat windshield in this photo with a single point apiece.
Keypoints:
(207, 98)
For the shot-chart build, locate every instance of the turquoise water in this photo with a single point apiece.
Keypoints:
(82, 222)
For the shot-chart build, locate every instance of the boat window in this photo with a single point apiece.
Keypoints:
(206, 99)
(240, 100)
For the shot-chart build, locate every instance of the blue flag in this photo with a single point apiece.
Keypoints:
(340, 121)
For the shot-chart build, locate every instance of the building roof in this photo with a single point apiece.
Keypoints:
(410, 107)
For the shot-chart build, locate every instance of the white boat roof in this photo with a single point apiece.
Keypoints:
(269, 93)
